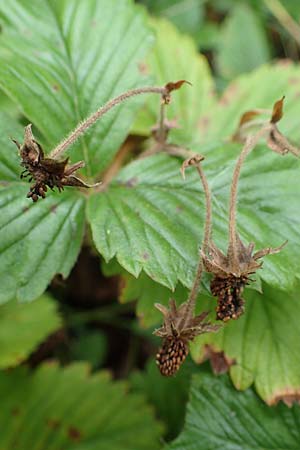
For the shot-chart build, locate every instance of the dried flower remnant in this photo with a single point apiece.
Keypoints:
(180, 324)
(52, 172)
(179, 327)
(160, 131)
(232, 271)
(46, 172)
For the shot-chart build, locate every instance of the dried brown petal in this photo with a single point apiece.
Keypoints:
(277, 112)
(172, 86)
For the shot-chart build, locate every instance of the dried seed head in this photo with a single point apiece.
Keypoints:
(229, 290)
(171, 355)
(179, 327)
(45, 171)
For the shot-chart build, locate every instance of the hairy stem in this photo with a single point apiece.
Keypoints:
(250, 144)
(85, 124)
(191, 301)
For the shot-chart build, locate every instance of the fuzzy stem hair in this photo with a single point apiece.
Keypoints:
(87, 123)
(250, 144)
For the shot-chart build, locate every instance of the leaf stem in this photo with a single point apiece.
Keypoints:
(85, 124)
(250, 144)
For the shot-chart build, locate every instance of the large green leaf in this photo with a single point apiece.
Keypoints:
(243, 43)
(57, 408)
(263, 343)
(57, 78)
(218, 418)
(37, 240)
(175, 57)
(23, 327)
(146, 218)
(61, 60)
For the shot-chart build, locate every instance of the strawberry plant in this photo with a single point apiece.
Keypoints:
(103, 109)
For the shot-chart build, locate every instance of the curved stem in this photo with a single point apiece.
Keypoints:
(85, 124)
(251, 142)
(191, 301)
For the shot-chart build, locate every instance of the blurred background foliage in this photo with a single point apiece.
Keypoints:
(90, 316)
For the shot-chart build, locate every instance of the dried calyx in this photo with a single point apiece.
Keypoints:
(181, 325)
(46, 172)
(232, 271)
(53, 172)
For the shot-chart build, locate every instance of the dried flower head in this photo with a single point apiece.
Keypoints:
(52, 172)
(179, 327)
(232, 271)
(180, 324)
(46, 172)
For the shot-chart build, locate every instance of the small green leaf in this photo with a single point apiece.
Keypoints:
(62, 60)
(263, 342)
(56, 408)
(23, 327)
(243, 43)
(219, 418)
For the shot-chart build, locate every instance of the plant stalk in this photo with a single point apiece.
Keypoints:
(191, 301)
(87, 123)
(250, 144)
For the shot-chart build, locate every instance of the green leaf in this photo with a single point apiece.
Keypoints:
(186, 15)
(89, 345)
(175, 57)
(61, 60)
(36, 240)
(218, 418)
(146, 219)
(55, 408)
(243, 43)
(262, 342)
(148, 292)
(167, 395)
(23, 327)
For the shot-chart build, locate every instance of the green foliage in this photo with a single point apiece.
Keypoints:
(262, 343)
(68, 408)
(23, 327)
(55, 73)
(57, 78)
(61, 60)
(218, 417)
(168, 395)
(241, 52)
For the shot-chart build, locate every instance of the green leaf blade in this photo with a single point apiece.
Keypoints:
(64, 78)
(75, 410)
(23, 327)
(218, 417)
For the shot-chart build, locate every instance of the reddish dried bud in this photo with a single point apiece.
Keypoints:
(171, 355)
